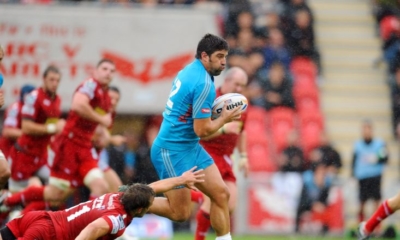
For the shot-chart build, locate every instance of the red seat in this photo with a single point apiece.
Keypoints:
(303, 65)
(260, 158)
(304, 81)
(282, 121)
(307, 101)
(256, 125)
(305, 88)
(311, 127)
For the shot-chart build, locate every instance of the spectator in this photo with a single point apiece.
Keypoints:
(370, 156)
(245, 55)
(290, 9)
(233, 23)
(276, 90)
(326, 154)
(300, 38)
(144, 171)
(395, 97)
(122, 158)
(276, 51)
(314, 195)
(292, 158)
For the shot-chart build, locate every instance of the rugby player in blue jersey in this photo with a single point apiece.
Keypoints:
(187, 118)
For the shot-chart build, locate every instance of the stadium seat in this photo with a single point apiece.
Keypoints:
(311, 127)
(282, 121)
(256, 124)
(303, 65)
(260, 158)
(307, 101)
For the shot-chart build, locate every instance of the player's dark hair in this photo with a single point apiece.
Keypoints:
(136, 196)
(105, 60)
(114, 89)
(50, 69)
(27, 88)
(210, 44)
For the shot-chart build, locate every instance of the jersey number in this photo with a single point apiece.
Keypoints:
(84, 209)
(175, 89)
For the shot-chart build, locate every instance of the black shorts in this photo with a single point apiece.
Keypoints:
(370, 188)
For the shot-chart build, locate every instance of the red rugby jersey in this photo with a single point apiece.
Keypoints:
(12, 119)
(41, 107)
(79, 129)
(70, 222)
(223, 144)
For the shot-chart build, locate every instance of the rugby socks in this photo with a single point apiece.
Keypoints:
(35, 206)
(196, 197)
(380, 214)
(225, 237)
(30, 194)
(203, 224)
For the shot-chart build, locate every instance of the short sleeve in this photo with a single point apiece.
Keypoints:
(29, 109)
(115, 222)
(88, 88)
(203, 98)
(12, 116)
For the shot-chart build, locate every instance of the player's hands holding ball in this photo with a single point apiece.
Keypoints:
(231, 114)
(229, 107)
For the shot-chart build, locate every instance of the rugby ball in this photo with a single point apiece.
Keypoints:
(232, 100)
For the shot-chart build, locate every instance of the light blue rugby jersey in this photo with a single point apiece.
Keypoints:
(191, 96)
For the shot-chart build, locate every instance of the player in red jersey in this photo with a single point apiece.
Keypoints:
(4, 168)
(221, 145)
(12, 121)
(40, 120)
(104, 218)
(72, 163)
(102, 138)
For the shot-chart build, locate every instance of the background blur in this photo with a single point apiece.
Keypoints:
(317, 69)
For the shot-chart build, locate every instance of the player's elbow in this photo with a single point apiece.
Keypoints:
(77, 107)
(202, 132)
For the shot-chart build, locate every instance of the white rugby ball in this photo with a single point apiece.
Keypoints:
(232, 100)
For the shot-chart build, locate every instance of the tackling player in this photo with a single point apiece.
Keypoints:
(40, 120)
(220, 146)
(187, 118)
(104, 218)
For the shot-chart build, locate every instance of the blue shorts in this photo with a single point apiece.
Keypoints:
(169, 163)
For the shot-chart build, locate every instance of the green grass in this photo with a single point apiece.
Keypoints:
(190, 236)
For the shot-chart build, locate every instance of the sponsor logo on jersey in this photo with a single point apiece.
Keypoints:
(205, 110)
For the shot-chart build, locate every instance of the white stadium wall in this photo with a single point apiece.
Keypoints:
(149, 46)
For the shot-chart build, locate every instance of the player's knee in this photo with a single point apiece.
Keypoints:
(57, 190)
(222, 196)
(97, 185)
(182, 215)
